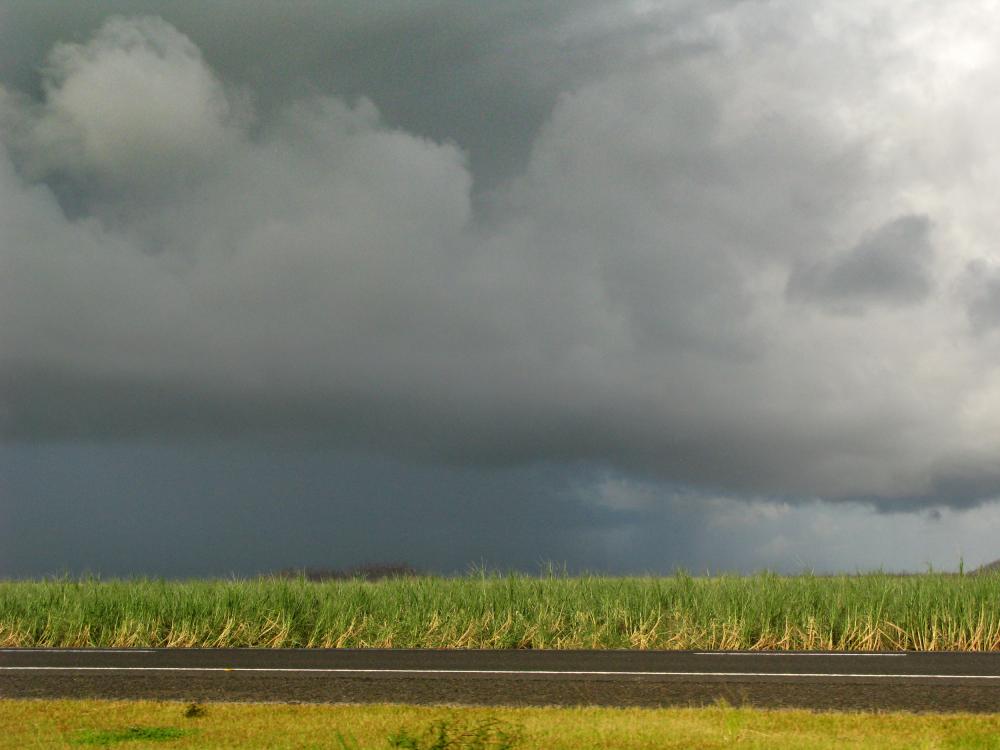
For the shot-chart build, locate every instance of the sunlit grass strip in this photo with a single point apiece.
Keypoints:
(37, 723)
(852, 613)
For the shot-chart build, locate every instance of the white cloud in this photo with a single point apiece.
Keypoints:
(133, 105)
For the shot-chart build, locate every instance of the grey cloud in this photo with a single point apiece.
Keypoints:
(310, 268)
(981, 288)
(889, 266)
(718, 533)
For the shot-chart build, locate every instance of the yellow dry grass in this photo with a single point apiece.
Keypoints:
(62, 724)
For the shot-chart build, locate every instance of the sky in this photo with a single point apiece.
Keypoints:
(622, 286)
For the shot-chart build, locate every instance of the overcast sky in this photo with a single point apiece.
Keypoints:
(622, 285)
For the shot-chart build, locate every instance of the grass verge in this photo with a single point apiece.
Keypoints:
(133, 725)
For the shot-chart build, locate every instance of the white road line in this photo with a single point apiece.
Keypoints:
(583, 673)
(784, 653)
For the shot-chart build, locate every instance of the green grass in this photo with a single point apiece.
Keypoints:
(105, 737)
(61, 724)
(863, 612)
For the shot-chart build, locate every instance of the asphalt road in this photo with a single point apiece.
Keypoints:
(911, 681)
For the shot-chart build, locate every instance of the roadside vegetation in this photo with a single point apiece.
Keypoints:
(135, 725)
(870, 612)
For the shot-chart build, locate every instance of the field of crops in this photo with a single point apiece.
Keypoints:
(863, 612)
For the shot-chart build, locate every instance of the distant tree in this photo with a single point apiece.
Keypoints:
(990, 567)
(365, 572)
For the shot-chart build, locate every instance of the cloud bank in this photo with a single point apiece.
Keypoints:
(755, 254)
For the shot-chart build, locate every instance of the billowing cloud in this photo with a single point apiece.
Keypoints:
(135, 104)
(660, 287)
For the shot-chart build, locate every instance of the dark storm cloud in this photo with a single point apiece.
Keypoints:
(247, 508)
(244, 509)
(491, 237)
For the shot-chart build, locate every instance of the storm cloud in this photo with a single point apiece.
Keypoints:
(737, 247)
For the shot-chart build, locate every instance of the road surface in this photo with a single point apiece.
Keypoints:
(912, 681)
